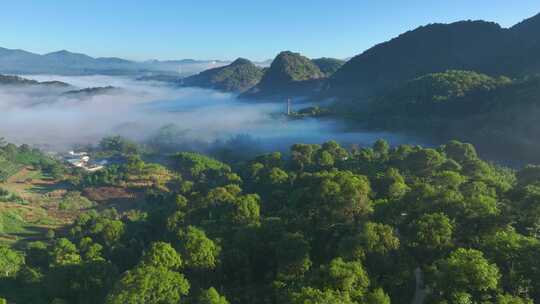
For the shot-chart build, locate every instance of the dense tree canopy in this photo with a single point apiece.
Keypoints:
(496, 113)
(321, 224)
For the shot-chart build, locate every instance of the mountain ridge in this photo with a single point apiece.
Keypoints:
(476, 45)
(64, 62)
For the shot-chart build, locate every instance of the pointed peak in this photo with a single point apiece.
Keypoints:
(288, 53)
(66, 53)
(61, 52)
(241, 61)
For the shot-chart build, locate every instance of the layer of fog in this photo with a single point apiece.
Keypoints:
(154, 112)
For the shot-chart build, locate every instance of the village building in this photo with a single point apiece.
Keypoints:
(82, 160)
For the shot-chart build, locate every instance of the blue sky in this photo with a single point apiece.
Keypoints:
(256, 29)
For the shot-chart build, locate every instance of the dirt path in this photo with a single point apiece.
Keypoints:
(420, 292)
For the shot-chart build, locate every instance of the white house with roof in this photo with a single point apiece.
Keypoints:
(82, 160)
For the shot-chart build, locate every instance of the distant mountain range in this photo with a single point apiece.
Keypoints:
(68, 63)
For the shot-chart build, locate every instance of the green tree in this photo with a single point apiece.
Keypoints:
(91, 282)
(198, 250)
(346, 277)
(514, 255)
(337, 152)
(89, 250)
(381, 147)
(378, 238)
(424, 161)
(135, 164)
(325, 159)
(112, 231)
(64, 252)
(10, 262)
(392, 184)
(302, 155)
(292, 255)
(460, 151)
(149, 285)
(432, 232)
(509, 299)
(162, 254)
(118, 144)
(466, 270)
(378, 296)
(327, 198)
(247, 210)
(211, 296)
(316, 296)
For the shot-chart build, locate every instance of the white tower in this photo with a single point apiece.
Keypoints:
(180, 74)
(289, 107)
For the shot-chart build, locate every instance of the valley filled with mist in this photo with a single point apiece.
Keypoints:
(146, 111)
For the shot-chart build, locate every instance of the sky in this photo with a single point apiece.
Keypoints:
(218, 29)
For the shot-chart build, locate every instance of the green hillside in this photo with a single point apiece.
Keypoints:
(289, 74)
(480, 46)
(239, 76)
(497, 114)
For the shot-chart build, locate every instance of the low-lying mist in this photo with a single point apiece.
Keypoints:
(152, 112)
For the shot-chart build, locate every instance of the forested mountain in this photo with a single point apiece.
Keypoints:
(468, 45)
(479, 46)
(496, 113)
(239, 76)
(528, 29)
(325, 225)
(289, 74)
(526, 59)
(440, 88)
(328, 65)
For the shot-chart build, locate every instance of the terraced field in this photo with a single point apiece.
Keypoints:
(48, 204)
(37, 213)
